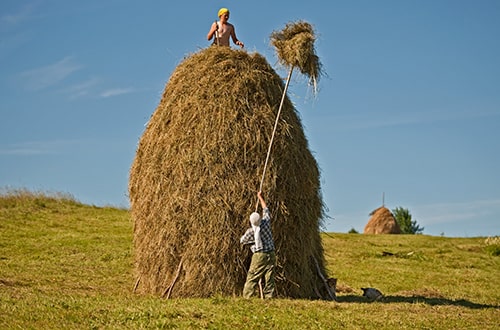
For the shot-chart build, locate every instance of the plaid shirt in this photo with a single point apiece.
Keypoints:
(265, 234)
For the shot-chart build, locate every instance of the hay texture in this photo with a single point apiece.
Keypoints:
(295, 48)
(196, 172)
(382, 222)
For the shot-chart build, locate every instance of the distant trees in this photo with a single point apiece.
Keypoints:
(405, 222)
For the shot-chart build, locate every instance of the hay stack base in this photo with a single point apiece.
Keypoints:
(194, 180)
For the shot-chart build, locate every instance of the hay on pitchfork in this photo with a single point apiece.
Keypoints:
(196, 172)
(295, 48)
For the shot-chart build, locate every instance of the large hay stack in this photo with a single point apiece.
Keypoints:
(382, 222)
(194, 180)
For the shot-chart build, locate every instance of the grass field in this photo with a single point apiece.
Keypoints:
(65, 265)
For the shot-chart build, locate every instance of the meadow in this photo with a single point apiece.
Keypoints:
(66, 265)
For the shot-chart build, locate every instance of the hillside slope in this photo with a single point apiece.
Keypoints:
(68, 265)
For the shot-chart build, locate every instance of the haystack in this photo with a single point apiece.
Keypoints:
(194, 180)
(382, 222)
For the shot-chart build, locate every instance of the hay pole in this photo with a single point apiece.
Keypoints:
(217, 32)
(274, 132)
(261, 291)
(320, 274)
(295, 48)
(168, 291)
(137, 283)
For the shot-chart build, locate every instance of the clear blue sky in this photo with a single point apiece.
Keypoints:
(410, 105)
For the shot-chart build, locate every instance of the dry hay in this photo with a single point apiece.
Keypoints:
(194, 180)
(382, 222)
(295, 48)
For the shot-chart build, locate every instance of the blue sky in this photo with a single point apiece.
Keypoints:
(409, 106)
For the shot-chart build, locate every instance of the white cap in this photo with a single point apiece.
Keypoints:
(255, 219)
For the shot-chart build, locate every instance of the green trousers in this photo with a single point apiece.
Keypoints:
(263, 266)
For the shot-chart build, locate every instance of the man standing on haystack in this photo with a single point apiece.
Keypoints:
(223, 30)
(260, 239)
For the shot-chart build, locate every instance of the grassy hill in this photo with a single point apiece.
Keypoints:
(68, 265)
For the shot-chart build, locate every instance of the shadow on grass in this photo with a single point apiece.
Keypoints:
(415, 300)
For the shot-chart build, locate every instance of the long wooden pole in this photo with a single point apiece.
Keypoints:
(274, 132)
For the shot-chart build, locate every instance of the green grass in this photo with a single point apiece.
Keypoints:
(65, 265)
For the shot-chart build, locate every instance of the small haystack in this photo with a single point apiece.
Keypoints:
(382, 222)
(194, 180)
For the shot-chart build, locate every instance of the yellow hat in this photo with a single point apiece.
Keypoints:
(222, 11)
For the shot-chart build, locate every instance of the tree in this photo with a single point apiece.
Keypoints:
(405, 222)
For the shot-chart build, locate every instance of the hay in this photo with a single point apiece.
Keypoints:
(194, 179)
(382, 222)
(295, 48)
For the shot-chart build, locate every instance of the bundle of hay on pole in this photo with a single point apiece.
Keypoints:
(382, 222)
(295, 49)
(196, 172)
